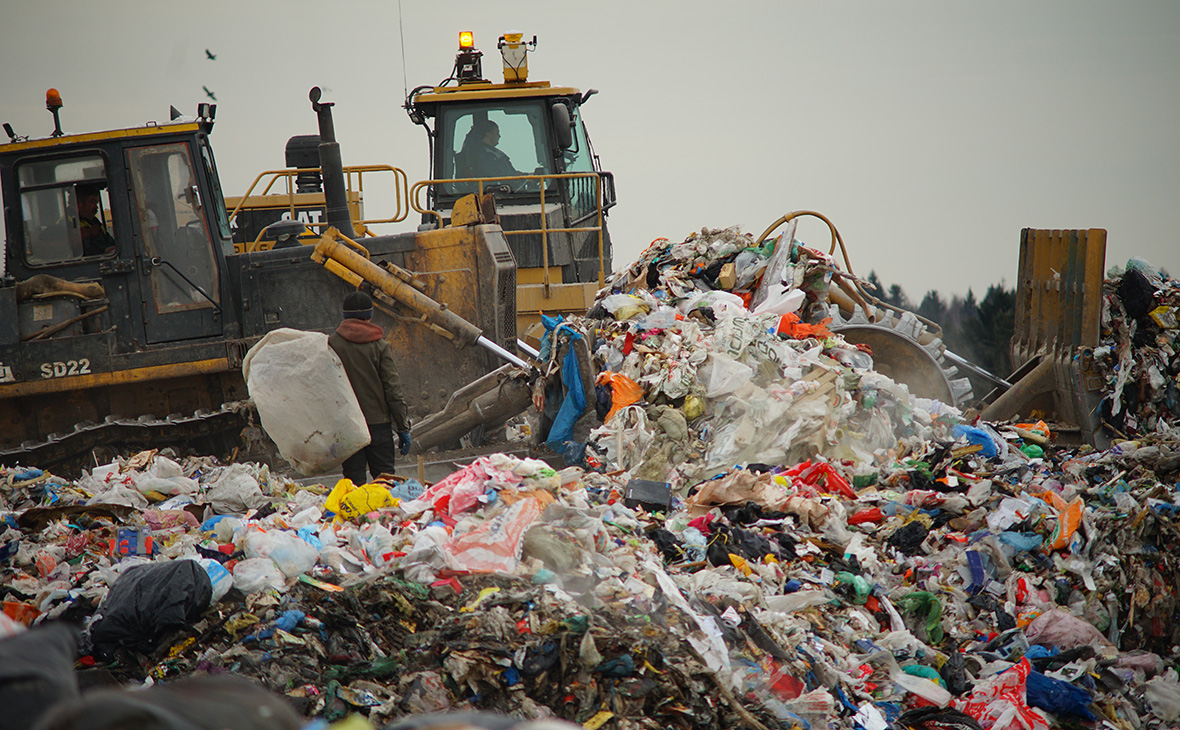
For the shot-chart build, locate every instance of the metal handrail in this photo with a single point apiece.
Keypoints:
(401, 190)
(416, 192)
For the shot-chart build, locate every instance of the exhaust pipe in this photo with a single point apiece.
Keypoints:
(331, 166)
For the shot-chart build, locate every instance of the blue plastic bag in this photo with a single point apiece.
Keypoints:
(1058, 697)
(978, 436)
(572, 407)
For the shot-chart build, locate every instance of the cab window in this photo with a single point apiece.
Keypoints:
(482, 141)
(215, 182)
(65, 210)
(174, 229)
(578, 157)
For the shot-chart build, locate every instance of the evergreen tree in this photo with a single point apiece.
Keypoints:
(932, 307)
(991, 329)
(897, 297)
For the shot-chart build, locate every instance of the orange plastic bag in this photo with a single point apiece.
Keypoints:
(1069, 518)
(790, 325)
(624, 392)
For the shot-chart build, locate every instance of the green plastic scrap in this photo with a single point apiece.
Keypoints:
(860, 481)
(925, 604)
(921, 670)
(577, 624)
(1032, 451)
(861, 586)
(384, 667)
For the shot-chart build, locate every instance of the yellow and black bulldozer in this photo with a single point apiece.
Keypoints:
(551, 195)
(125, 310)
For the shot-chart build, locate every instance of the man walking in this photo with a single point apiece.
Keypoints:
(368, 362)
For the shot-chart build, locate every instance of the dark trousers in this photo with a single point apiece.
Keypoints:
(379, 455)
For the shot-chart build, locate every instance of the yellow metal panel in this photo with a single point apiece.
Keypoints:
(1095, 263)
(282, 200)
(536, 275)
(562, 298)
(99, 136)
(118, 377)
(494, 91)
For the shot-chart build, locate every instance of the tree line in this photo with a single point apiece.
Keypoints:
(977, 331)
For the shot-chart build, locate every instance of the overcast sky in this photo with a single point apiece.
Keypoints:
(929, 132)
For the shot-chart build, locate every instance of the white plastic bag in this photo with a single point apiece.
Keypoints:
(219, 578)
(235, 490)
(305, 400)
(287, 550)
(257, 574)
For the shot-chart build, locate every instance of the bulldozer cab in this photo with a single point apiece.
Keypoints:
(508, 138)
(139, 214)
(524, 142)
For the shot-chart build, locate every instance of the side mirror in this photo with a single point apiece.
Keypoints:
(563, 125)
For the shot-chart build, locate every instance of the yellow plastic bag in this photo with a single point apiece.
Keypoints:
(349, 501)
(693, 407)
(343, 487)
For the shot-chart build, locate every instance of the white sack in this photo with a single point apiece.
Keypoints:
(304, 399)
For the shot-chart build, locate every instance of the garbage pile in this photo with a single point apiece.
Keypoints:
(760, 531)
(1139, 356)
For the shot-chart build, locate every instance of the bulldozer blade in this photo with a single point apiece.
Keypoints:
(1058, 307)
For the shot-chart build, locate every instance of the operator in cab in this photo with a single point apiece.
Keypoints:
(368, 362)
(483, 157)
(96, 241)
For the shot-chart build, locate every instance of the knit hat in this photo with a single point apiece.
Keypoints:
(358, 305)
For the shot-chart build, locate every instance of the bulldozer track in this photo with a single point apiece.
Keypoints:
(214, 430)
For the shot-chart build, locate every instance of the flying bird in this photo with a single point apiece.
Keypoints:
(209, 93)
(209, 55)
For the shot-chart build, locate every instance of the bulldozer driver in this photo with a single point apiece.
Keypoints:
(483, 158)
(96, 241)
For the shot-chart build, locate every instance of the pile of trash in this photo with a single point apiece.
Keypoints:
(1139, 356)
(757, 530)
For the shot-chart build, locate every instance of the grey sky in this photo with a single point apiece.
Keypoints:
(929, 132)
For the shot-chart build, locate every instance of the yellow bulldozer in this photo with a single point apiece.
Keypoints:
(551, 195)
(125, 310)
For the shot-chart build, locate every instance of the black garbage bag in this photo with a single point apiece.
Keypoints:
(909, 538)
(147, 602)
(936, 718)
(36, 673)
(193, 703)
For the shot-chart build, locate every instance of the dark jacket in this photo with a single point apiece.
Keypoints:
(368, 361)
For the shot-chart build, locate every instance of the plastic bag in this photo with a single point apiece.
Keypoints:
(624, 392)
(726, 375)
(988, 449)
(625, 306)
(257, 574)
(496, 545)
(1058, 697)
(999, 701)
(349, 501)
(235, 490)
(1163, 692)
(146, 602)
(290, 554)
(305, 401)
(220, 579)
(785, 301)
(1062, 629)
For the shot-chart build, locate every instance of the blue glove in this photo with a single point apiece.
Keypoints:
(403, 439)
